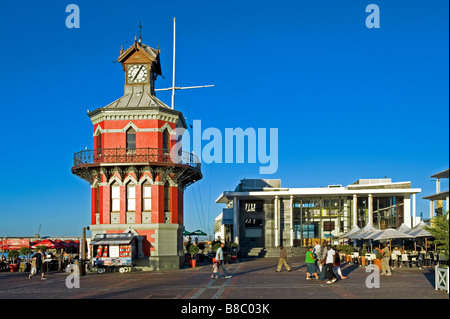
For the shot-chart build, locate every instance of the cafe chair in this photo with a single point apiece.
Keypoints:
(414, 261)
(394, 258)
(355, 257)
(369, 258)
(404, 260)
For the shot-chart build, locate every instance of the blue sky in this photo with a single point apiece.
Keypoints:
(349, 102)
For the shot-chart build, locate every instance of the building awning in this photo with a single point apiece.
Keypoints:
(111, 242)
(438, 196)
(443, 174)
(112, 239)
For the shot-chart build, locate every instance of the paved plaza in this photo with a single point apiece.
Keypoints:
(251, 279)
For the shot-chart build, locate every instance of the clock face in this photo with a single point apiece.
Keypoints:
(137, 73)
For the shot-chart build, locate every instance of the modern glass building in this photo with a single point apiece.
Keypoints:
(260, 213)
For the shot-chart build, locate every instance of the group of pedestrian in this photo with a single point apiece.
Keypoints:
(324, 258)
(37, 263)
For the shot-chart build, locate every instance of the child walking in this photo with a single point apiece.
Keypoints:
(215, 270)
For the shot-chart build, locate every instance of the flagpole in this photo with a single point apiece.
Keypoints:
(173, 69)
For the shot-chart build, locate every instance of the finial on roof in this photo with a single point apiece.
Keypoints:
(135, 39)
(121, 49)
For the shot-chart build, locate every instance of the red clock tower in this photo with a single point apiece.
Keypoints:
(135, 185)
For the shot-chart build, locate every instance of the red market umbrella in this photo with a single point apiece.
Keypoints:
(60, 244)
(11, 247)
(70, 244)
(46, 242)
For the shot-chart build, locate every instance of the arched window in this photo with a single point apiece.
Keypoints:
(131, 197)
(146, 197)
(131, 139)
(99, 141)
(166, 197)
(166, 140)
(115, 197)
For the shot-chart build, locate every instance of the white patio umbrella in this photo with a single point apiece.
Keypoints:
(416, 233)
(364, 232)
(389, 234)
(419, 232)
(403, 228)
(417, 227)
(350, 232)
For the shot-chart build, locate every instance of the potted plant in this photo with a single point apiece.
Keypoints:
(13, 255)
(234, 250)
(363, 255)
(24, 251)
(377, 260)
(201, 255)
(346, 250)
(193, 250)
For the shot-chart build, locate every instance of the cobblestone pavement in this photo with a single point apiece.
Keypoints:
(251, 279)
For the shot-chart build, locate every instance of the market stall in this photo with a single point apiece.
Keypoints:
(114, 252)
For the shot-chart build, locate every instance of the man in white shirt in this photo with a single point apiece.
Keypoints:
(219, 257)
(329, 265)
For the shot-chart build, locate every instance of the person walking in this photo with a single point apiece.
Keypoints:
(67, 259)
(215, 270)
(329, 264)
(39, 259)
(61, 259)
(321, 259)
(386, 256)
(219, 258)
(310, 260)
(337, 264)
(316, 251)
(282, 261)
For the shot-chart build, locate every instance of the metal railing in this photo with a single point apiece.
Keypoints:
(137, 155)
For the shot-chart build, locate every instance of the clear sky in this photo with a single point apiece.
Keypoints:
(349, 102)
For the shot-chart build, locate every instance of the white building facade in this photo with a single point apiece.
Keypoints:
(266, 215)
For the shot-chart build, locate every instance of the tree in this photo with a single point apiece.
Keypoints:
(25, 251)
(13, 254)
(439, 230)
(193, 250)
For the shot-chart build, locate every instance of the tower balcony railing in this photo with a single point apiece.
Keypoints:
(135, 155)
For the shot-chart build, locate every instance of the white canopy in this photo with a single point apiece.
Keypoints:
(364, 232)
(389, 233)
(403, 228)
(350, 232)
(419, 231)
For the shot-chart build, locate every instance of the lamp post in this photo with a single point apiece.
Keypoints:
(83, 252)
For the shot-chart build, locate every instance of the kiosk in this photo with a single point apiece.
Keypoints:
(114, 252)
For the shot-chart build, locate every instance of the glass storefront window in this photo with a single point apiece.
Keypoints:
(321, 217)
